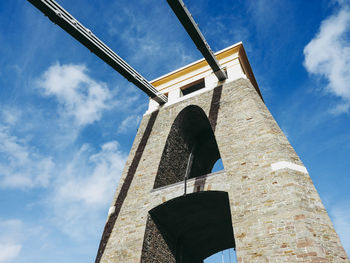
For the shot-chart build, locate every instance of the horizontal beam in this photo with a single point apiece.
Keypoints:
(192, 29)
(66, 21)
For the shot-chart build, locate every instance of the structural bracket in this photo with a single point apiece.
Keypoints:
(67, 22)
(192, 29)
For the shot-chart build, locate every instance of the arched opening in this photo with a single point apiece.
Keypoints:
(189, 229)
(191, 136)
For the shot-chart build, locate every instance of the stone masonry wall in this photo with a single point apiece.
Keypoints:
(277, 214)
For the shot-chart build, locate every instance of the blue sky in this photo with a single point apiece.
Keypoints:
(67, 120)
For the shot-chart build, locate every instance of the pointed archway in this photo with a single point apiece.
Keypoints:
(189, 228)
(190, 132)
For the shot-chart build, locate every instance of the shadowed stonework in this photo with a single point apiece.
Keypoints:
(190, 130)
(215, 106)
(155, 249)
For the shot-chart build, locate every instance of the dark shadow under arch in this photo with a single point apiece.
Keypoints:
(188, 229)
(190, 132)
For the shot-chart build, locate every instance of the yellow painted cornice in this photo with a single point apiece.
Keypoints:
(237, 49)
(196, 65)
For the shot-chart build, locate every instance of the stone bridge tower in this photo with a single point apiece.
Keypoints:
(263, 203)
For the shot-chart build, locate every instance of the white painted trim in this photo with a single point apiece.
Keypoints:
(111, 210)
(288, 165)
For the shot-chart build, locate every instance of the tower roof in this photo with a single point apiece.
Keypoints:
(229, 58)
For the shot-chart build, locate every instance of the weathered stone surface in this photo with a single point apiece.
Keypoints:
(277, 215)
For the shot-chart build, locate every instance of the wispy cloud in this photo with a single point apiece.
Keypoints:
(10, 245)
(218, 25)
(264, 14)
(20, 165)
(150, 42)
(10, 116)
(135, 34)
(84, 187)
(80, 97)
(78, 189)
(9, 251)
(81, 183)
(328, 55)
(128, 123)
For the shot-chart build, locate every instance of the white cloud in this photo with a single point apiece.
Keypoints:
(10, 246)
(264, 12)
(128, 123)
(80, 97)
(20, 165)
(84, 187)
(9, 251)
(328, 55)
(341, 219)
(10, 115)
(104, 169)
(218, 25)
